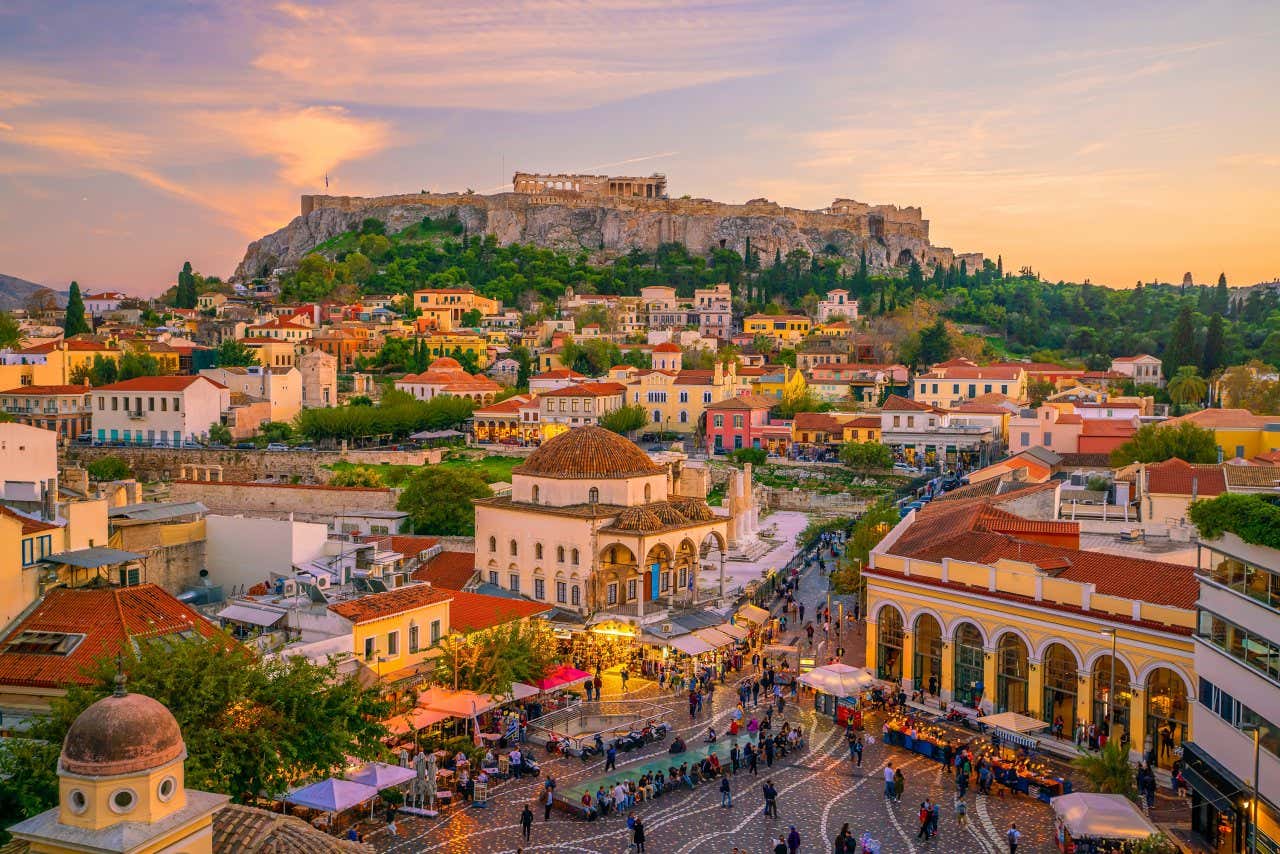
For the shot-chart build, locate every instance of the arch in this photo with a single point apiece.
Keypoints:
(684, 416)
(1012, 673)
(560, 554)
(1092, 660)
(1144, 676)
(514, 548)
(573, 557)
(999, 634)
(926, 629)
(1166, 706)
(1061, 668)
(890, 606)
(536, 491)
(905, 258)
(659, 553)
(890, 637)
(593, 495)
(968, 664)
(537, 551)
(719, 542)
(648, 492)
(954, 629)
(1117, 718)
(493, 544)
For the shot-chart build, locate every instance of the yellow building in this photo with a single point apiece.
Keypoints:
(785, 329)
(271, 352)
(52, 363)
(393, 632)
(982, 607)
(451, 343)
(952, 382)
(677, 400)
(834, 428)
(1238, 433)
(26, 540)
(443, 308)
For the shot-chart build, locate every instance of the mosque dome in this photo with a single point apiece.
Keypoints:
(589, 452)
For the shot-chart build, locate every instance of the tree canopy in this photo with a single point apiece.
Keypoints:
(1155, 443)
(396, 416)
(74, 322)
(866, 457)
(234, 354)
(625, 419)
(438, 500)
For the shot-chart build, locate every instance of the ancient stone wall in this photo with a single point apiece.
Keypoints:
(150, 464)
(301, 502)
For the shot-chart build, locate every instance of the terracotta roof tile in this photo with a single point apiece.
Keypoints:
(742, 402)
(377, 606)
(47, 389)
(170, 383)
(588, 452)
(471, 612)
(30, 525)
(588, 389)
(898, 403)
(1178, 477)
(448, 570)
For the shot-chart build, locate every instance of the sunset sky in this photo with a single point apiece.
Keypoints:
(1109, 141)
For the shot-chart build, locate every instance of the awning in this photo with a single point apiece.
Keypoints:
(754, 614)
(1013, 722)
(521, 691)
(414, 720)
(242, 613)
(456, 704)
(689, 645)
(561, 677)
(1090, 814)
(838, 680)
(735, 632)
(380, 775)
(332, 795)
(717, 639)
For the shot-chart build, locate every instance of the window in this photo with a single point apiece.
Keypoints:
(560, 554)
(28, 552)
(130, 577)
(435, 632)
(573, 557)
(666, 581)
(369, 649)
(684, 397)
(514, 579)
(593, 495)
(719, 421)
(513, 548)
(102, 403)
(393, 644)
(633, 587)
(986, 389)
(737, 442)
(413, 638)
(684, 417)
(539, 589)
(115, 404)
(164, 404)
(611, 593)
(897, 421)
(537, 551)
(493, 544)
(561, 592)
(575, 595)
(493, 577)
(1249, 648)
(1048, 439)
(648, 492)
(151, 404)
(706, 397)
(737, 421)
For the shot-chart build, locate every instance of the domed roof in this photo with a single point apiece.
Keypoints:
(589, 452)
(445, 362)
(122, 734)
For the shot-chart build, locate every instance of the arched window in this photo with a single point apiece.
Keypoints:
(575, 595)
(560, 554)
(648, 492)
(514, 550)
(593, 495)
(537, 550)
(535, 493)
(573, 557)
(493, 544)
(684, 417)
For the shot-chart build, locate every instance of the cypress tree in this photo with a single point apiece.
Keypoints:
(74, 323)
(1181, 349)
(1222, 296)
(1000, 266)
(1214, 344)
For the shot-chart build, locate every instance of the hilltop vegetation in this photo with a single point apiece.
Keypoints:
(1008, 314)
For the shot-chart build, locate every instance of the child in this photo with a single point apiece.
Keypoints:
(962, 812)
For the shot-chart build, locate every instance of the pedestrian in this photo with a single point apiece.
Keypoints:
(899, 783)
(625, 675)
(768, 753)
(548, 800)
(726, 796)
(526, 822)
(392, 829)
(734, 758)
(923, 817)
(962, 812)
(752, 760)
(888, 780)
(845, 843)
(934, 815)
(637, 836)
(589, 686)
(611, 758)
(793, 840)
(857, 749)
(1014, 836)
(779, 845)
(597, 682)
(933, 686)
(770, 799)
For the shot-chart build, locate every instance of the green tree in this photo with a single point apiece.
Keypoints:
(74, 322)
(136, 364)
(1181, 347)
(915, 275)
(275, 431)
(438, 500)
(9, 332)
(1155, 443)
(1108, 771)
(865, 536)
(109, 467)
(220, 434)
(1213, 356)
(491, 661)
(472, 318)
(234, 354)
(1038, 391)
(935, 344)
(625, 419)
(185, 296)
(1187, 386)
(357, 476)
(1222, 295)
(866, 457)
(755, 456)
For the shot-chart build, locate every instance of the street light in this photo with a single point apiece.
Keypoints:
(1256, 729)
(1111, 691)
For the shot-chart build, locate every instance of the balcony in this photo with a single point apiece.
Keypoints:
(136, 415)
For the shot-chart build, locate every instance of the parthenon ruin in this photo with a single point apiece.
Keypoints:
(653, 187)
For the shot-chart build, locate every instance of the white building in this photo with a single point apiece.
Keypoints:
(319, 378)
(151, 410)
(243, 551)
(837, 304)
(28, 462)
(99, 304)
(280, 387)
(1142, 369)
(1237, 648)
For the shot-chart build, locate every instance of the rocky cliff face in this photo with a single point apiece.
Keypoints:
(606, 227)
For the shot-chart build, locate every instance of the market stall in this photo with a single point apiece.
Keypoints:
(1014, 728)
(836, 686)
(332, 797)
(562, 677)
(1092, 823)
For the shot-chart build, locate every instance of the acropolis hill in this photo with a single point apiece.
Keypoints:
(610, 215)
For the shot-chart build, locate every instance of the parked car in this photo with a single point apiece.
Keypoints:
(84, 439)
(277, 446)
(245, 446)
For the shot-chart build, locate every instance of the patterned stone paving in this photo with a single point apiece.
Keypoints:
(819, 790)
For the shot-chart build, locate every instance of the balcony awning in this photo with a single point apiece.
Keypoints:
(690, 645)
(753, 614)
(242, 613)
(733, 631)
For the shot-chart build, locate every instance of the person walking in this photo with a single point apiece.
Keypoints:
(625, 676)
(548, 800)
(598, 682)
(923, 817)
(857, 750)
(726, 796)
(734, 758)
(526, 822)
(611, 758)
(899, 784)
(845, 843)
(779, 845)
(770, 799)
(935, 815)
(888, 780)
(793, 840)
(1014, 836)
(752, 759)
(637, 835)
(962, 812)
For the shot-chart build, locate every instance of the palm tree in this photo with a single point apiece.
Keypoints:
(1187, 386)
(1109, 771)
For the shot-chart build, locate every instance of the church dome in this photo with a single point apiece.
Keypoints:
(445, 363)
(589, 452)
(122, 734)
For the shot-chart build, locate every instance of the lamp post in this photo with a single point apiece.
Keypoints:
(1256, 730)
(1111, 690)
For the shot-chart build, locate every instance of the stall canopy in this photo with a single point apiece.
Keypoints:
(1013, 722)
(690, 645)
(456, 704)
(735, 632)
(1089, 814)
(380, 775)
(521, 691)
(562, 677)
(714, 637)
(254, 616)
(839, 680)
(415, 719)
(753, 614)
(332, 795)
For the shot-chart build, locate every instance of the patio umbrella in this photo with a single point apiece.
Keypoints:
(420, 784)
(381, 775)
(332, 795)
(429, 791)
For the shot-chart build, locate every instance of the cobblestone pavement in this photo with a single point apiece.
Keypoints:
(819, 790)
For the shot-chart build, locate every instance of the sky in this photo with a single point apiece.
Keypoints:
(1088, 140)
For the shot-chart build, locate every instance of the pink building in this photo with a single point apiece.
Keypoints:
(1045, 427)
(743, 422)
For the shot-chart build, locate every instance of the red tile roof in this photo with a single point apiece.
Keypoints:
(29, 525)
(407, 545)
(559, 374)
(110, 618)
(1178, 477)
(742, 401)
(667, 347)
(897, 403)
(47, 389)
(1107, 427)
(378, 606)
(472, 612)
(448, 570)
(67, 344)
(818, 421)
(589, 389)
(171, 383)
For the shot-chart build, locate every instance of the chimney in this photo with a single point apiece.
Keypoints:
(49, 495)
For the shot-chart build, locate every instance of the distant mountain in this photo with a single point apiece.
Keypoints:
(14, 292)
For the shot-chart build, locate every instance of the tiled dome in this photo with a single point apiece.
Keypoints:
(589, 452)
